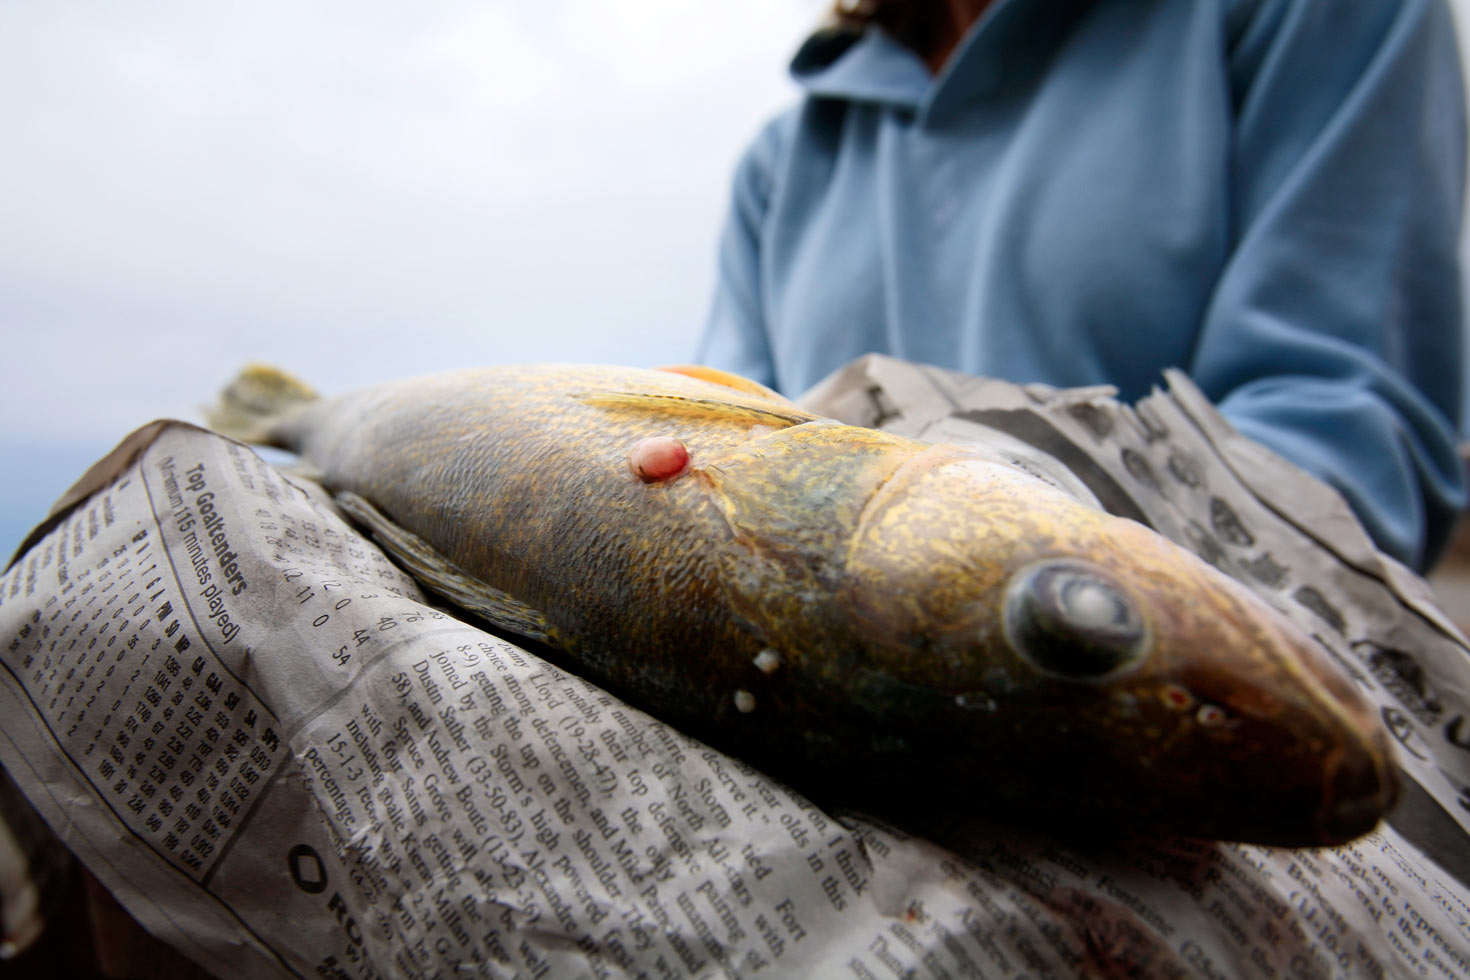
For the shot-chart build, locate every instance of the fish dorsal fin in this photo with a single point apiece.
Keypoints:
(728, 379)
(441, 575)
(779, 415)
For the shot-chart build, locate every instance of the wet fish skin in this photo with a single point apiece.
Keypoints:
(1233, 726)
(841, 600)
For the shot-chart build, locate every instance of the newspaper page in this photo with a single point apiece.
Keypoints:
(284, 761)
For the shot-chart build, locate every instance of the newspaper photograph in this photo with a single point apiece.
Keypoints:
(285, 759)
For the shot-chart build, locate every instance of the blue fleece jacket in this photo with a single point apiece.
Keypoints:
(1266, 193)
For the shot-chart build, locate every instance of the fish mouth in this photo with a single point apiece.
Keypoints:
(1360, 781)
(1304, 722)
(1362, 786)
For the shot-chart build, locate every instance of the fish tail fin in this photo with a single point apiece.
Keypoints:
(253, 403)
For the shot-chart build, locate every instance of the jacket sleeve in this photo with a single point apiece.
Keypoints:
(735, 337)
(1334, 335)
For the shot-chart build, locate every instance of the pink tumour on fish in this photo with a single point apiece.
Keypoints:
(658, 458)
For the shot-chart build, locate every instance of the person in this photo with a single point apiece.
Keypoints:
(1264, 193)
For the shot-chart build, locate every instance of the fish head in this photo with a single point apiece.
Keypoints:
(1122, 676)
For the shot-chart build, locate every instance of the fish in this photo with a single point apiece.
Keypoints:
(836, 603)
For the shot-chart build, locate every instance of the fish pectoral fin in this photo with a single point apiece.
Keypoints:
(774, 414)
(442, 576)
(726, 378)
(301, 468)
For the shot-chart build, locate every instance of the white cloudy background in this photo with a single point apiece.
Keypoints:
(353, 190)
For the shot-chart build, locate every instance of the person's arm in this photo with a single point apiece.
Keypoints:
(735, 334)
(1335, 333)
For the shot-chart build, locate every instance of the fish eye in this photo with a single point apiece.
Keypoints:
(1071, 619)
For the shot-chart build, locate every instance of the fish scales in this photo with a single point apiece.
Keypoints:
(528, 489)
(834, 599)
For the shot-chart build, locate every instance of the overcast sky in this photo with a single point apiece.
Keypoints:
(354, 191)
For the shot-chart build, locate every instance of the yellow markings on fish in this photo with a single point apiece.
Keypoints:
(684, 406)
(725, 378)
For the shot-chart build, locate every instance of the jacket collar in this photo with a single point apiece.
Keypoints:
(1005, 46)
(870, 66)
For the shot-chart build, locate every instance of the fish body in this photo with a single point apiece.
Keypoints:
(835, 599)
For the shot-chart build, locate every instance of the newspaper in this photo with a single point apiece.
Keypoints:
(285, 762)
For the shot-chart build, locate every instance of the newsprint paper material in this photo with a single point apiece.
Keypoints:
(284, 761)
